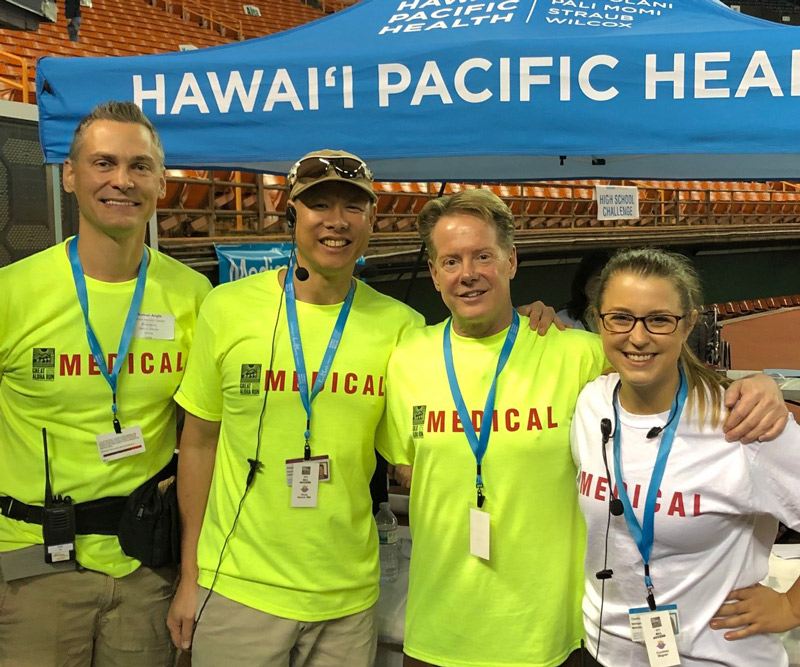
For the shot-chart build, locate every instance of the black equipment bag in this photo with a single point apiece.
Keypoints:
(149, 528)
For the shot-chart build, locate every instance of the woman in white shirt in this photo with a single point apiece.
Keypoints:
(677, 517)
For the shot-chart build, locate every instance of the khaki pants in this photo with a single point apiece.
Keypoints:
(235, 635)
(84, 618)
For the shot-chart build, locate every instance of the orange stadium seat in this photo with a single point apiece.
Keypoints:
(535, 207)
(721, 205)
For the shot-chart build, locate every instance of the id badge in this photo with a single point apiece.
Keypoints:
(479, 524)
(635, 620)
(323, 463)
(113, 446)
(659, 636)
(155, 327)
(305, 484)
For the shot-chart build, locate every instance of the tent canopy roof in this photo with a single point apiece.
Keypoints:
(470, 90)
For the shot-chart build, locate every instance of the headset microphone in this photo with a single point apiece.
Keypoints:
(654, 432)
(300, 273)
(291, 217)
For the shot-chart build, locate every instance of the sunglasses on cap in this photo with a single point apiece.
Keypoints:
(313, 167)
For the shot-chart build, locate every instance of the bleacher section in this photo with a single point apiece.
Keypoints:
(777, 11)
(276, 15)
(118, 28)
(247, 204)
(731, 309)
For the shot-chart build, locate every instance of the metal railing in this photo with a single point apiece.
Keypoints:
(21, 83)
(208, 204)
(206, 16)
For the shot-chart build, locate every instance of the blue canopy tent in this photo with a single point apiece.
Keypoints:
(470, 90)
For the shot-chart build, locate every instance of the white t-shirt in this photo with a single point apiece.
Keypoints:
(569, 320)
(715, 523)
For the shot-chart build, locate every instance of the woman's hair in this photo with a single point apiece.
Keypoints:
(591, 265)
(704, 384)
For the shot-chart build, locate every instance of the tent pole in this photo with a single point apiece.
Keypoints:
(54, 201)
(152, 225)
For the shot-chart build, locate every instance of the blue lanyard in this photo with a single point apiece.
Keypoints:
(478, 444)
(643, 535)
(297, 348)
(127, 331)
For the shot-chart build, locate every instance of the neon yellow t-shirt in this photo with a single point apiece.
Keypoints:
(522, 607)
(48, 378)
(306, 564)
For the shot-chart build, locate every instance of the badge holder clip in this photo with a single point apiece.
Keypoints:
(479, 487)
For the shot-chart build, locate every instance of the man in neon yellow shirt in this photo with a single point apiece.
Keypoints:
(93, 604)
(482, 408)
(293, 562)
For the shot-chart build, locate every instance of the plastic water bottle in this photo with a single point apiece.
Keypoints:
(387, 536)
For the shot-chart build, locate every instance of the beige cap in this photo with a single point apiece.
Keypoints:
(329, 165)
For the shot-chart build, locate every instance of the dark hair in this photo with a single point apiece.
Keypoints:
(478, 202)
(704, 383)
(591, 265)
(119, 112)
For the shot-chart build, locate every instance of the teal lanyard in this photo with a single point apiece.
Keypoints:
(127, 331)
(643, 534)
(478, 444)
(297, 349)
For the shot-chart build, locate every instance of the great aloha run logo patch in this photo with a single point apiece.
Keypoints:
(43, 365)
(250, 380)
(418, 421)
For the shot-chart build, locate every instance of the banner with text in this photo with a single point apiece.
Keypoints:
(469, 90)
(246, 259)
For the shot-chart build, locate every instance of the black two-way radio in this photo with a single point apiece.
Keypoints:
(58, 519)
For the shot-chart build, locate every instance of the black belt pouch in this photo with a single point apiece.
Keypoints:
(149, 528)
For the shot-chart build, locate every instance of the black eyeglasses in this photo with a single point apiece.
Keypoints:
(662, 324)
(317, 166)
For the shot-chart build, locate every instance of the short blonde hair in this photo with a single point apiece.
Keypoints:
(119, 112)
(478, 202)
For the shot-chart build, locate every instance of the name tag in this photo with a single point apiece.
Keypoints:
(322, 462)
(155, 327)
(635, 620)
(113, 446)
(305, 484)
(479, 522)
(659, 635)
